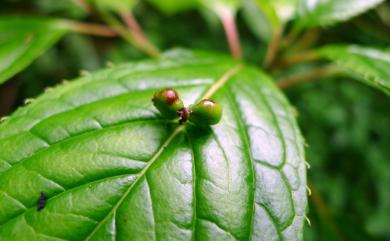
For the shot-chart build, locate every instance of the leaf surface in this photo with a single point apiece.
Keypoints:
(23, 39)
(370, 65)
(313, 13)
(113, 169)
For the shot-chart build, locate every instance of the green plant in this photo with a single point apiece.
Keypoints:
(104, 162)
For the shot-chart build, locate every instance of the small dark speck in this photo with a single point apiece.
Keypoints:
(125, 218)
(41, 201)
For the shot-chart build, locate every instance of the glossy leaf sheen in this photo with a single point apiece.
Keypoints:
(113, 169)
(313, 13)
(371, 65)
(24, 39)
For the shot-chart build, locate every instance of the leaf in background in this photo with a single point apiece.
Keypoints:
(371, 65)
(24, 39)
(265, 17)
(313, 13)
(115, 5)
(113, 169)
(284, 10)
(256, 20)
(222, 5)
(174, 6)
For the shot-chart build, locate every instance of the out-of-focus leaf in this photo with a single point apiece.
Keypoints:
(279, 10)
(371, 65)
(256, 20)
(174, 6)
(313, 13)
(220, 6)
(63, 8)
(24, 39)
(115, 5)
(113, 169)
(265, 17)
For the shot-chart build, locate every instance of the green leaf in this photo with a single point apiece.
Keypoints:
(265, 17)
(174, 6)
(370, 65)
(219, 5)
(113, 169)
(279, 10)
(326, 12)
(23, 39)
(256, 20)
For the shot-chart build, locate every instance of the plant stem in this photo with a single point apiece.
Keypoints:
(90, 28)
(135, 28)
(227, 17)
(297, 58)
(130, 36)
(291, 37)
(273, 47)
(314, 74)
(132, 23)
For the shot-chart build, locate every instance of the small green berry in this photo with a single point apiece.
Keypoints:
(205, 113)
(167, 101)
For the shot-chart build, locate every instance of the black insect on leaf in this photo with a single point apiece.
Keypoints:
(41, 201)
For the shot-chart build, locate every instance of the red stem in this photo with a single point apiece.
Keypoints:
(229, 24)
(132, 24)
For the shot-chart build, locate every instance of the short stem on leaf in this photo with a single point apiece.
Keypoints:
(314, 74)
(227, 17)
(130, 36)
(90, 28)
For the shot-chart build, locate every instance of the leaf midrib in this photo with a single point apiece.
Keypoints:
(217, 85)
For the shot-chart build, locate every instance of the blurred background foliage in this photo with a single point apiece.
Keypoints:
(346, 124)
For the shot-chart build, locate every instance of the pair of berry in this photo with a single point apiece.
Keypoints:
(205, 113)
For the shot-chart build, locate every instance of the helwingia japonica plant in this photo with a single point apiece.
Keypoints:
(182, 143)
(121, 163)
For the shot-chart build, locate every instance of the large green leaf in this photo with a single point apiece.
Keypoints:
(370, 65)
(23, 39)
(325, 12)
(113, 169)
